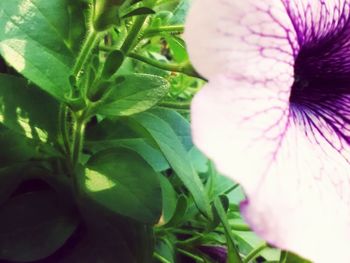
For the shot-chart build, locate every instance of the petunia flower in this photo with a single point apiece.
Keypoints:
(275, 115)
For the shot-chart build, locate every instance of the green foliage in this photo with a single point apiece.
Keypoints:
(33, 226)
(112, 178)
(97, 162)
(109, 134)
(105, 13)
(22, 109)
(34, 39)
(176, 154)
(135, 93)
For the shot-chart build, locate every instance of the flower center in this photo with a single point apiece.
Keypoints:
(320, 94)
(322, 72)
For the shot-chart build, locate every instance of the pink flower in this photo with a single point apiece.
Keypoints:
(275, 115)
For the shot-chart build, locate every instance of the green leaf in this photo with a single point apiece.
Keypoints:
(137, 93)
(180, 12)
(165, 249)
(108, 134)
(15, 148)
(217, 218)
(33, 39)
(169, 198)
(179, 213)
(233, 255)
(178, 47)
(110, 238)
(27, 110)
(151, 155)
(199, 160)
(217, 184)
(179, 125)
(123, 182)
(112, 64)
(176, 154)
(247, 241)
(33, 226)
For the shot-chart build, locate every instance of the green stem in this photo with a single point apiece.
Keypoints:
(175, 105)
(63, 112)
(155, 63)
(185, 68)
(233, 253)
(78, 140)
(234, 187)
(240, 227)
(254, 253)
(189, 254)
(133, 35)
(157, 30)
(160, 258)
(86, 52)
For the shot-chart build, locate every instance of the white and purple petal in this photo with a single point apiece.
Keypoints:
(275, 115)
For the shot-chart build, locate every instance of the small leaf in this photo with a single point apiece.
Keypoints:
(33, 226)
(217, 219)
(120, 180)
(169, 198)
(178, 48)
(179, 213)
(137, 93)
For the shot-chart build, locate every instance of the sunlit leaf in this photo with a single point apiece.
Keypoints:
(120, 180)
(136, 93)
(15, 148)
(34, 39)
(27, 110)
